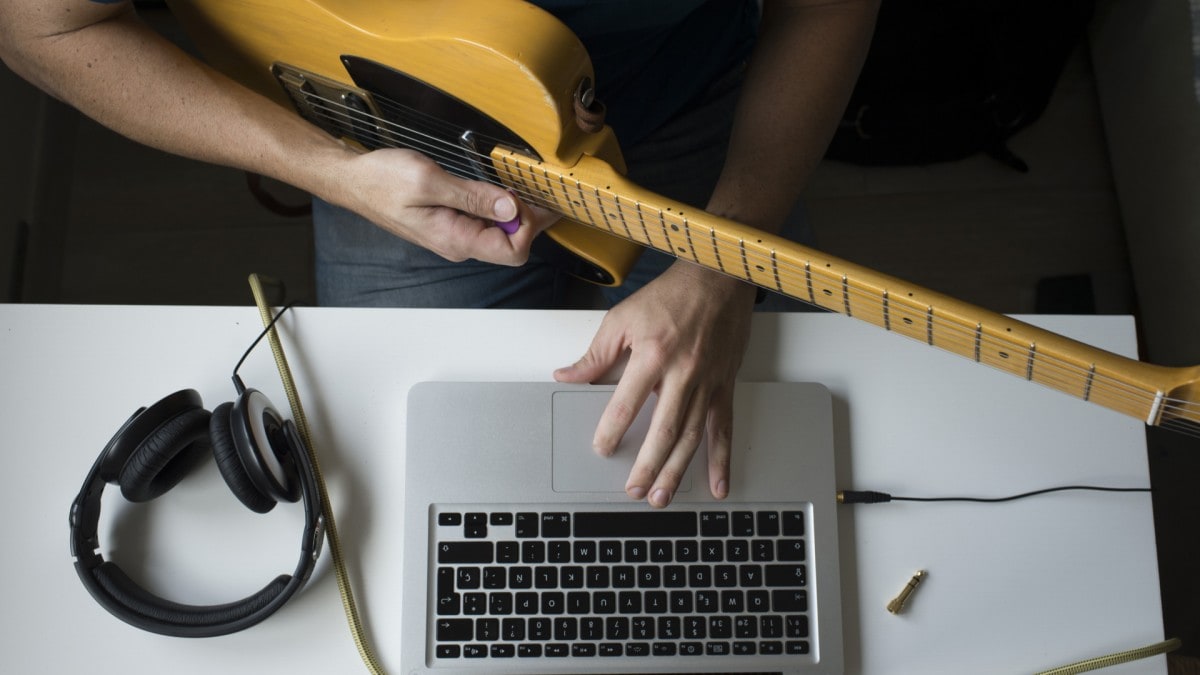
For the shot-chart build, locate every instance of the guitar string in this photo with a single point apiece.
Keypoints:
(432, 149)
(434, 145)
(429, 143)
(1071, 370)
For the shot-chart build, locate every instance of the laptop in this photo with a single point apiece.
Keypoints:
(523, 554)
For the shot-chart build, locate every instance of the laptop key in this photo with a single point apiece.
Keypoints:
(475, 525)
(475, 651)
(636, 524)
(635, 551)
(744, 648)
(785, 575)
(797, 626)
(793, 523)
(455, 630)
(513, 629)
(494, 577)
(465, 552)
(559, 552)
(742, 524)
(566, 628)
(487, 630)
(526, 525)
(448, 651)
(791, 549)
(660, 551)
(637, 649)
(716, 649)
(610, 551)
(758, 601)
(533, 552)
(762, 550)
(768, 523)
(508, 551)
(474, 604)
(469, 577)
(714, 524)
(556, 525)
(539, 629)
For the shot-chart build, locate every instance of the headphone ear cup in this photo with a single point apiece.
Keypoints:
(229, 463)
(165, 455)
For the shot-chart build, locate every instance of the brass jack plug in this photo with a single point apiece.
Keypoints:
(897, 603)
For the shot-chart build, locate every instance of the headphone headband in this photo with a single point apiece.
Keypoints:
(122, 596)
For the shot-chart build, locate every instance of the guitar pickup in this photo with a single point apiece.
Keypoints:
(342, 110)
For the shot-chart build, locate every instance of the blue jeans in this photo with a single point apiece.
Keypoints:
(361, 265)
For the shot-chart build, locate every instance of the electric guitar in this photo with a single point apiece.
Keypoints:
(499, 90)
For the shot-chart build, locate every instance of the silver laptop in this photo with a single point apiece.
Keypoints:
(523, 554)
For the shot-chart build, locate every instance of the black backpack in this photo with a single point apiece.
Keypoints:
(945, 79)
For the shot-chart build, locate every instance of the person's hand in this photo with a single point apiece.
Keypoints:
(409, 195)
(685, 334)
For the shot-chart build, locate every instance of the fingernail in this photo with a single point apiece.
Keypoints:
(504, 210)
(722, 489)
(637, 491)
(661, 497)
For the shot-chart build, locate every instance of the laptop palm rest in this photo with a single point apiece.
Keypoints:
(579, 468)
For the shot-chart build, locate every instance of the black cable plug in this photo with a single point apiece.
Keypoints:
(862, 497)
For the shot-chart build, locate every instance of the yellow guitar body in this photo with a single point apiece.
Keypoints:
(519, 63)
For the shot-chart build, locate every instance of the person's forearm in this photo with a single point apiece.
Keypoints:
(801, 75)
(127, 77)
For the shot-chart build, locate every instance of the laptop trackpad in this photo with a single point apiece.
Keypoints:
(577, 467)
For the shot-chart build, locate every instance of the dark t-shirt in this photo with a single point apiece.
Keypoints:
(653, 57)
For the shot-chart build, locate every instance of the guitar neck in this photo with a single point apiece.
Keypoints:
(593, 194)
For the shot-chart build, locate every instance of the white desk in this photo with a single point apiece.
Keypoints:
(1012, 588)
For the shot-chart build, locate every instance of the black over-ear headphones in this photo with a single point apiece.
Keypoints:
(261, 457)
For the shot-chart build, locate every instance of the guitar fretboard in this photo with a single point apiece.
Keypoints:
(592, 194)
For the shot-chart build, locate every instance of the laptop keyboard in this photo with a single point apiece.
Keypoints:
(583, 584)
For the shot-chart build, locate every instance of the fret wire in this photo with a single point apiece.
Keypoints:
(745, 261)
(642, 220)
(716, 249)
(584, 205)
(687, 232)
(562, 182)
(603, 211)
(621, 216)
(666, 235)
